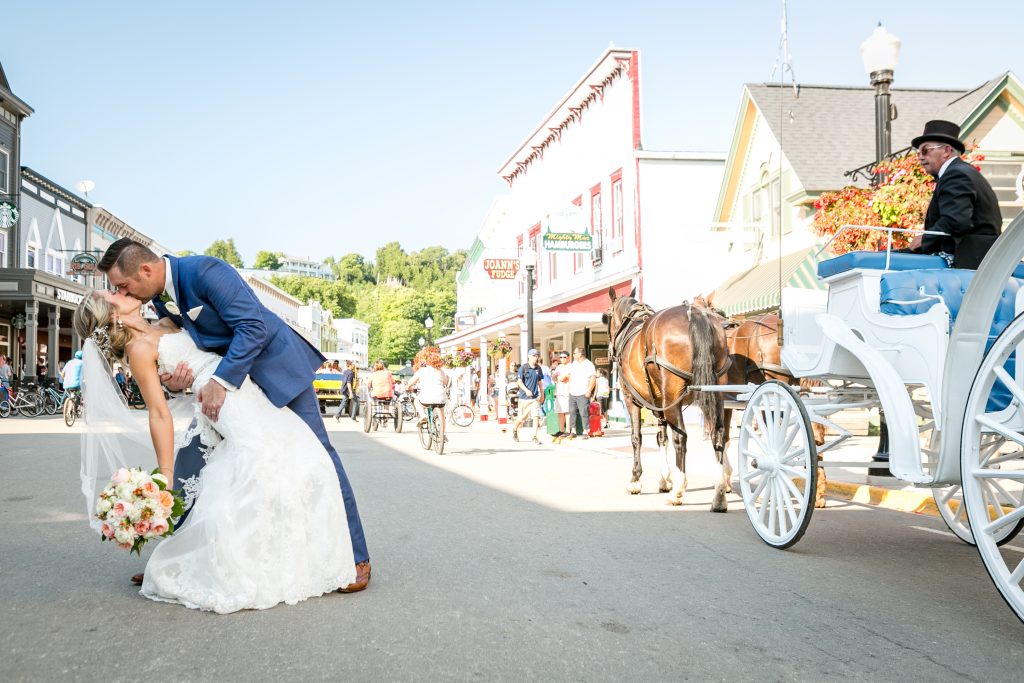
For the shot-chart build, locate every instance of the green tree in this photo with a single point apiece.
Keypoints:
(352, 269)
(392, 264)
(331, 294)
(225, 250)
(267, 260)
(185, 252)
(395, 340)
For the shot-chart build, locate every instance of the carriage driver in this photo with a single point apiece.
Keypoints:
(963, 205)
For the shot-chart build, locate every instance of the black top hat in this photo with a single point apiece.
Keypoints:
(941, 131)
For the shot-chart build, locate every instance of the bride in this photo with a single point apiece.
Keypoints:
(268, 525)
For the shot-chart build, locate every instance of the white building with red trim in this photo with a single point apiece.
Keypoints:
(584, 169)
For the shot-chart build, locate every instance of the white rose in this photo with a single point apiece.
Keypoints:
(138, 477)
(103, 505)
(124, 535)
(126, 491)
(172, 308)
(160, 478)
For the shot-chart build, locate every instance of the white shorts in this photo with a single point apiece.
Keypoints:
(561, 404)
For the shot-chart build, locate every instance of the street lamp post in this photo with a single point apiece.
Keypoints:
(529, 259)
(880, 52)
(422, 342)
(429, 324)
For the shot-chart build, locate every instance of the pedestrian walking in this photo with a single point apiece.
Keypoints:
(582, 382)
(529, 381)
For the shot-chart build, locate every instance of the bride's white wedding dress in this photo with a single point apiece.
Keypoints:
(268, 524)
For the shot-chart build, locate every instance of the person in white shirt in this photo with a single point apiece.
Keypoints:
(582, 381)
(432, 383)
(560, 376)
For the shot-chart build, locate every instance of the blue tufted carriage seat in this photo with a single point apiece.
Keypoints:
(913, 292)
(875, 260)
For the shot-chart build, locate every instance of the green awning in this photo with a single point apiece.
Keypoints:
(757, 290)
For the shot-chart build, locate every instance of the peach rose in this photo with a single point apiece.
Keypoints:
(166, 500)
(150, 489)
(158, 526)
(141, 527)
(108, 531)
(121, 509)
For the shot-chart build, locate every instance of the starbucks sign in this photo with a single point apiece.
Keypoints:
(8, 215)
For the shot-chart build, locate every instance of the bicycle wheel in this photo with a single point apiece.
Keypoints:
(50, 404)
(439, 436)
(69, 412)
(367, 416)
(30, 405)
(425, 437)
(5, 408)
(462, 415)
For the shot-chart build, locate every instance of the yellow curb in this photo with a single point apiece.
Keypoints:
(920, 502)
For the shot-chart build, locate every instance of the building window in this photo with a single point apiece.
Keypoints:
(577, 257)
(31, 256)
(5, 169)
(776, 202)
(617, 231)
(595, 213)
(552, 266)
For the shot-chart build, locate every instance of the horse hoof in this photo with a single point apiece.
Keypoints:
(633, 489)
(720, 507)
(719, 503)
(672, 500)
(664, 486)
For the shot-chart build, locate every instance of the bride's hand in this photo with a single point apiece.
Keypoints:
(179, 380)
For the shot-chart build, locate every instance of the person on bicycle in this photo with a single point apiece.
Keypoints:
(432, 383)
(72, 375)
(529, 381)
(382, 384)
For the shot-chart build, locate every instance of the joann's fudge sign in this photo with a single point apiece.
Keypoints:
(501, 268)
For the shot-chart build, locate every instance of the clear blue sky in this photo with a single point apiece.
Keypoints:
(321, 128)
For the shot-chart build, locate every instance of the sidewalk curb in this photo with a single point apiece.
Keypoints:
(919, 502)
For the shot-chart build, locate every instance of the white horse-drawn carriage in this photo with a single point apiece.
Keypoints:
(936, 349)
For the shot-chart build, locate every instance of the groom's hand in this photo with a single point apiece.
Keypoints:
(211, 396)
(179, 380)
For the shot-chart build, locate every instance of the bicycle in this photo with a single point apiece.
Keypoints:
(461, 414)
(53, 400)
(26, 400)
(432, 429)
(72, 407)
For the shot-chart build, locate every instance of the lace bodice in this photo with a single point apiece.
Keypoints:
(179, 347)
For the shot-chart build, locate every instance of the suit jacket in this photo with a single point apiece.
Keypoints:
(222, 314)
(967, 210)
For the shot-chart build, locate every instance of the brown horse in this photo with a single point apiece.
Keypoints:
(660, 356)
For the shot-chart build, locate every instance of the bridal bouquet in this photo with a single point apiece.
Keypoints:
(136, 507)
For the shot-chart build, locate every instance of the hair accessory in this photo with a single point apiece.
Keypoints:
(102, 338)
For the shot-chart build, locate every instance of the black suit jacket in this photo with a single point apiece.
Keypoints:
(965, 208)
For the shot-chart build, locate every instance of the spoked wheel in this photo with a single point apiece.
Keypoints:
(992, 466)
(69, 412)
(439, 437)
(5, 408)
(425, 438)
(33, 408)
(50, 405)
(397, 416)
(778, 464)
(462, 415)
(367, 416)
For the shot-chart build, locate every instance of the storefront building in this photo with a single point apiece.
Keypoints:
(594, 211)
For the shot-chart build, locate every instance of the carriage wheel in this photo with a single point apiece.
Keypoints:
(397, 415)
(777, 464)
(439, 437)
(367, 416)
(992, 465)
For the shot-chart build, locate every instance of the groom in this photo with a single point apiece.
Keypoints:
(209, 299)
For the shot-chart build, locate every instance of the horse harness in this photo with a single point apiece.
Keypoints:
(759, 366)
(633, 322)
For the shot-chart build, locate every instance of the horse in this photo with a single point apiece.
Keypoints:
(660, 355)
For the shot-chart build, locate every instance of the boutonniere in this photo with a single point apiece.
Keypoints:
(172, 308)
(165, 297)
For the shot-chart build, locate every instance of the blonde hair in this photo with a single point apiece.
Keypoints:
(94, 319)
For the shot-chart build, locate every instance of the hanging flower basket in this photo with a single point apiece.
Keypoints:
(460, 359)
(500, 348)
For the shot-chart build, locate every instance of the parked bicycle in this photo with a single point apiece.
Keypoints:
(432, 429)
(133, 395)
(53, 400)
(461, 414)
(25, 400)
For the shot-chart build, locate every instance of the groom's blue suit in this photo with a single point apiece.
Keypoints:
(222, 314)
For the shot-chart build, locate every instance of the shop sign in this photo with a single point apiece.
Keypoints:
(82, 264)
(8, 215)
(567, 241)
(464, 321)
(68, 297)
(502, 268)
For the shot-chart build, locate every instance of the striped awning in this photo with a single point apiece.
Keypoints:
(757, 290)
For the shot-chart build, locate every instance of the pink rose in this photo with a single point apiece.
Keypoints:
(125, 546)
(121, 476)
(120, 509)
(141, 527)
(108, 531)
(150, 489)
(158, 526)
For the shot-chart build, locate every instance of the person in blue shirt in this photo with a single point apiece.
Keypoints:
(72, 375)
(529, 380)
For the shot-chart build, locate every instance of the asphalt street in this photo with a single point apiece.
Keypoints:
(502, 561)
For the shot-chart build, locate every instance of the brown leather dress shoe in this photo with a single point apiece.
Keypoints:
(137, 579)
(362, 579)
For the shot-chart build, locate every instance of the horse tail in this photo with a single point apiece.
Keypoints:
(702, 345)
